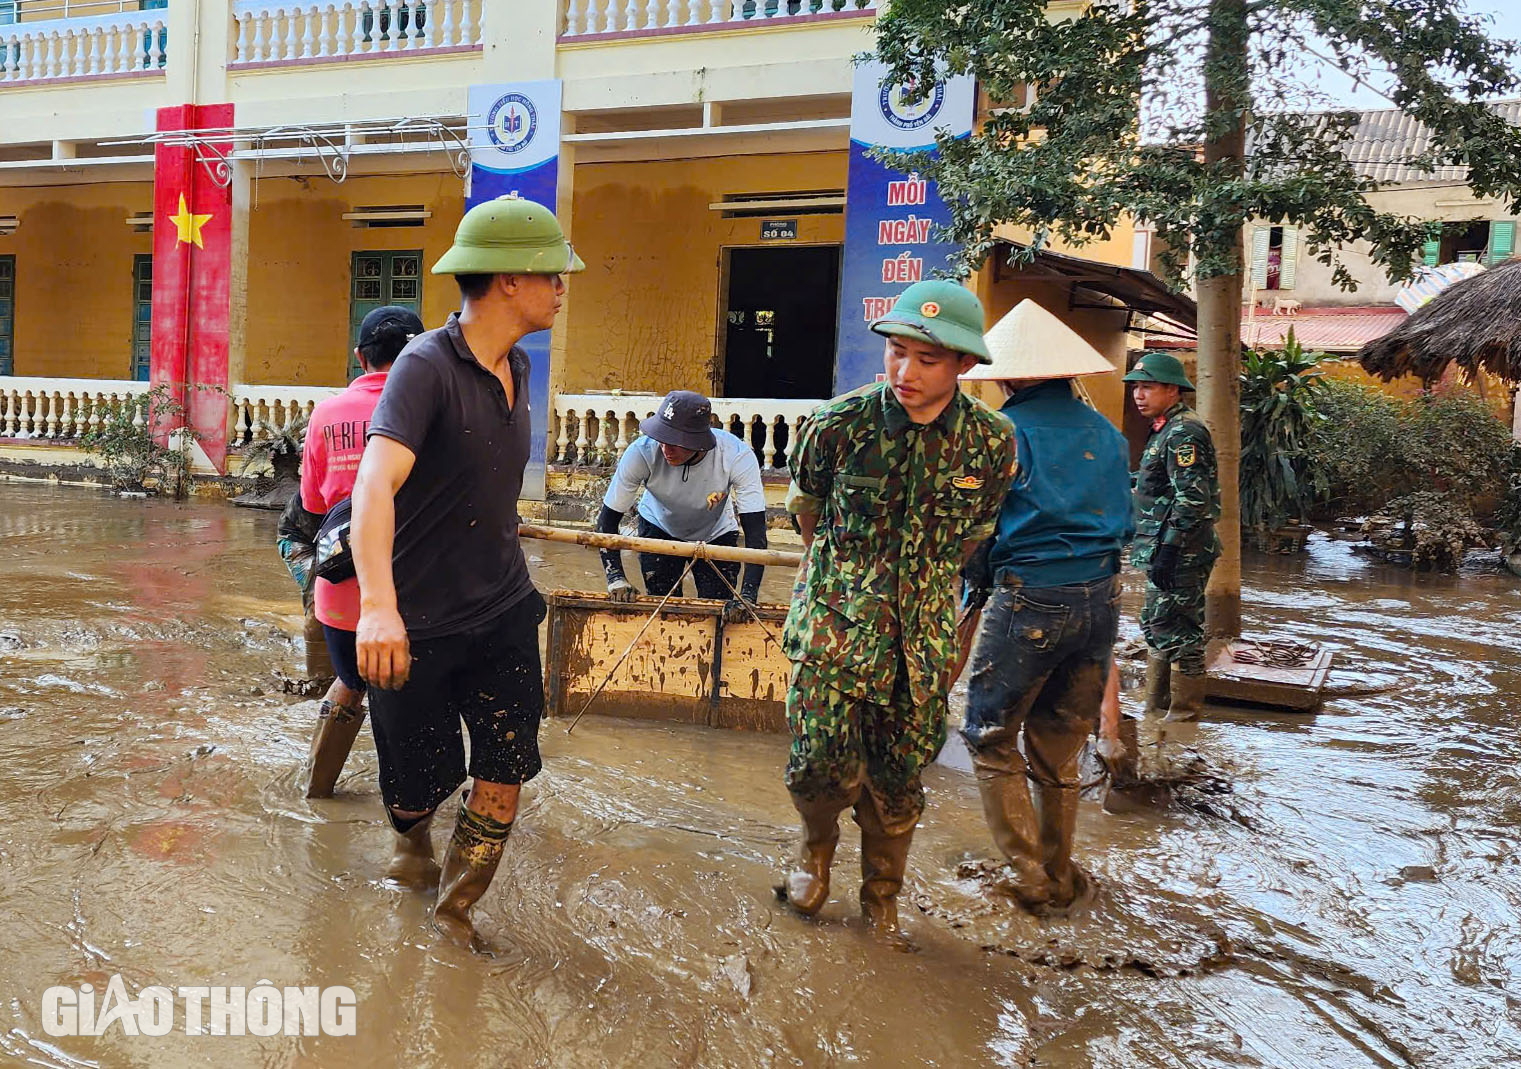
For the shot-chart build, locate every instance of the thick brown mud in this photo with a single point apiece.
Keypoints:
(1363, 912)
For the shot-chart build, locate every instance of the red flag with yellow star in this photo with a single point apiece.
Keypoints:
(192, 269)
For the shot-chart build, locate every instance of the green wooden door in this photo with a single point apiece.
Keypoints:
(7, 313)
(142, 316)
(380, 278)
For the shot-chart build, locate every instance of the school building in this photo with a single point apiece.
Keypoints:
(214, 192)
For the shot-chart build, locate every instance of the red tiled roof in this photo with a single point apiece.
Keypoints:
(1333, 330)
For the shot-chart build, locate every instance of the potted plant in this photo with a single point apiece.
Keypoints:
(277, 448)
(274, 458)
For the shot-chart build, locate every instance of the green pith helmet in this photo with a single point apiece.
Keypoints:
(1159, 367)
(509, 236)
(940, 312)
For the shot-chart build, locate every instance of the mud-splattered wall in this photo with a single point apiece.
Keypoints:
(300, 253)
(73, 250)
(644, 316)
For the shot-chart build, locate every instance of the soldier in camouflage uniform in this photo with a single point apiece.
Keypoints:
(1177, 500)
(892, 485)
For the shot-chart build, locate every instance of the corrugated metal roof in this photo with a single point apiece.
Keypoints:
(1331, 330)
(1386, 140)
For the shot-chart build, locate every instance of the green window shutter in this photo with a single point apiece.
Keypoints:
(1432, 250)
(1502, 241)
(1260, 238)
(1288, 258)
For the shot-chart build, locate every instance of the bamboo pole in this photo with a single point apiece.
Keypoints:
(695, 550)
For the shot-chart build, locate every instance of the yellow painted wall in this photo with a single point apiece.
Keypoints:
(1495, 391)
(38, 12)
(74, 254)
(1100, 329)
(644, 315)
(299, 267)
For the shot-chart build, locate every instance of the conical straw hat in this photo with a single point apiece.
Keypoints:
(1031, 343)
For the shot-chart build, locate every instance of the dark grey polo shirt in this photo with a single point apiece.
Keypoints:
(457, 561)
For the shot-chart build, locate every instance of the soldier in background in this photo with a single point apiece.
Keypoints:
(893, 485)
(1177, 500)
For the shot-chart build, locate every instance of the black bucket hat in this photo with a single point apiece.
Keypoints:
(684, 420)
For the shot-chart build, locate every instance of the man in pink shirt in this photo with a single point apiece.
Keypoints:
(330, 460)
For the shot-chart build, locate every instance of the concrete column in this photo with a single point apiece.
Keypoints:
(237, 313)
(518, 39)
(559, 353)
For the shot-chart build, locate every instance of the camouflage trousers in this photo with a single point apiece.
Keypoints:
(842, 744)
(1173, 620)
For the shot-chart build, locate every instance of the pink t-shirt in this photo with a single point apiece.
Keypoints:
(329, 464)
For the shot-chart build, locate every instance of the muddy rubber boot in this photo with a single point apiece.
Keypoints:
(474, 852)
(806, 888)
(413, 866)
(1158, 684)
(319, 664)
(1004, 784)
(337, 727)
(1187, 697)
(1057, 811)
(884, 859)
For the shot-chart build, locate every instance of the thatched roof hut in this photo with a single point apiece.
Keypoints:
(1475, 324)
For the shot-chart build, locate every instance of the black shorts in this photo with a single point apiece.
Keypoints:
(491, 678)
(662, 572)
(342, 652)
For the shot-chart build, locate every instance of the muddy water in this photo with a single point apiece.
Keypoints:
(1359, 907)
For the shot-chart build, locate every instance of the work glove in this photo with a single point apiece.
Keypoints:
(621, 590)
(1163, 572)
(736, 610)
(977, 577)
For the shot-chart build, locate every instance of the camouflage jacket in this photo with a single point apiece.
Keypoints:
(897, 505)
(1177, 490)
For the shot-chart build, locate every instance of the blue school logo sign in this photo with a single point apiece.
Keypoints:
(511, 122)
(907, 111)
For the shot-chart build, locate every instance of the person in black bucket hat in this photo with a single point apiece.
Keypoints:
(695, 479)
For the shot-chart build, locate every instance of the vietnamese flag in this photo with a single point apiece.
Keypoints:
(192, 270)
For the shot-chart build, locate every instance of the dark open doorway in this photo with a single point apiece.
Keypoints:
(780, 326)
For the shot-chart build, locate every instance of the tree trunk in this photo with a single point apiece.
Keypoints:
(1226, 99)
(1219, 381)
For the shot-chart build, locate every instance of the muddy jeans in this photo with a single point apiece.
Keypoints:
(1040, 663)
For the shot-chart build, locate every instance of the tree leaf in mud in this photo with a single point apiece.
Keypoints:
(736, 969)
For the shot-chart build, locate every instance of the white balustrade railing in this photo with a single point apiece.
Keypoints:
(259, 410)
(594, 428)
(349, 29)
(53, 409)
(84, 46)
(582, 17)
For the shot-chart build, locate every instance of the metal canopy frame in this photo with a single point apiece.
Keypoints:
(331, 144)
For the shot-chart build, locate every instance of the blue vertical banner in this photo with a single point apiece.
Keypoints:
(515, 149)
(890, 216)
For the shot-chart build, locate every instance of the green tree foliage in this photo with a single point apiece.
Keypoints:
(136, 444)
(1429, 470)
(1279, 477)
(1128, 92)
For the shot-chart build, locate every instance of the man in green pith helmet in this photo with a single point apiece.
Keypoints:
(448, 617)
(1177, 501)
(893, 486)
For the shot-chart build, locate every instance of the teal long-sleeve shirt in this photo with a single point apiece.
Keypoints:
(1068, 516)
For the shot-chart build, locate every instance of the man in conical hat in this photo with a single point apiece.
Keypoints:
(1049, 578)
